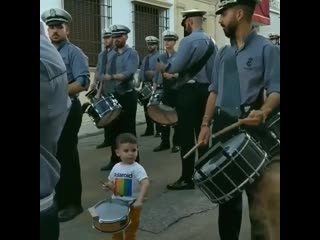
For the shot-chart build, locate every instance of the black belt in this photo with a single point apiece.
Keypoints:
(197, 84)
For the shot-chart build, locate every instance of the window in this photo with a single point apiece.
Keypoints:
(89, 18)
(148, 20)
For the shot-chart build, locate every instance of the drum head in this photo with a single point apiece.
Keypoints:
(108, 118)
(226, 169)
(109, 109)
(234, 144)
(162, 114)
(110, 212)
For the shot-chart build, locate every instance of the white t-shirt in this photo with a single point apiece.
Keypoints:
(126, 179)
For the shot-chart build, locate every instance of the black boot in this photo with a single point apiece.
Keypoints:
(103, 145)
(69, 213)
(161, 147)
(181, 184)
(175, 149)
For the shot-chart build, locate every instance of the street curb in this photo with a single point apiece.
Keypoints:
(100, 131)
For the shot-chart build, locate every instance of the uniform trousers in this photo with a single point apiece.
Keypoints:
(190, 106)
(169, 99)
(125, 122)
(69, 187)
(49, 224)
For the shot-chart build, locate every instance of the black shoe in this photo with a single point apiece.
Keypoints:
(69, 213)
(175, 149)
(103, 145)
(107, 167)
(157, 134)
(146, 134)
(161, 147)
(181, 185)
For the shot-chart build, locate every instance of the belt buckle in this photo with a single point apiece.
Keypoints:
(191, 81)
(246, 108)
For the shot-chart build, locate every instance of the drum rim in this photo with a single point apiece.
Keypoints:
(239, 188)
(164, 124)
(116, 219)
(270, 122)
(116, 231)
(116, 111)
(224, 145)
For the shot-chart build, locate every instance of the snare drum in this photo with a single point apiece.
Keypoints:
(144, 94)
(159, 112)
(269, 135)
(226, 169)
(273, 127)
(110, 216)
(104, 110)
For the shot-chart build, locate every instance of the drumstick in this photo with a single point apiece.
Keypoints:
(192, 150)
(226, 129)
(100, 89)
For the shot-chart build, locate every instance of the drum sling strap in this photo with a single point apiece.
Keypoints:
(193, 70)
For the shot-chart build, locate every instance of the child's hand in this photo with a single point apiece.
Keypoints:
(107, 186)
(137, 204)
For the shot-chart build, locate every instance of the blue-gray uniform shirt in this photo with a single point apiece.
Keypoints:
(102, 65)
(191, 49)
(76, 62)
(243, 73)
(54, 108)
(149, 63)
(163, 58)
(125, 63)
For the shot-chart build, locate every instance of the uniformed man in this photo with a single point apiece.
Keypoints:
(69, 188)
(122, 64)
(146, 75)
(170, 38)
(54, 109)
(241, 72)
(101, 69)
(193, 62)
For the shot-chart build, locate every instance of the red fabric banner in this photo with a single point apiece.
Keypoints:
(261, 14)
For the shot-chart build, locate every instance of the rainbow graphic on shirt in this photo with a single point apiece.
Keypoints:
(123, 187)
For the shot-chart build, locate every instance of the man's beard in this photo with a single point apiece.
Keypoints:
(151, 50)
(56, 40)
(230, 31)
(120, 44)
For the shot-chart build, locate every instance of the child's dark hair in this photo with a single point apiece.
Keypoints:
(126, 138)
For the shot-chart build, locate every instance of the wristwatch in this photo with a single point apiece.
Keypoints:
(205, 124)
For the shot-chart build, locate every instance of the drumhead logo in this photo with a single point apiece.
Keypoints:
(123, 175)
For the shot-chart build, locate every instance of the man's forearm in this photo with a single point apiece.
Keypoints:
(210, 107)
(118, 77)
(272, 102)
(75, 88)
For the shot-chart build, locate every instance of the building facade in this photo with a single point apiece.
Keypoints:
(143, 17)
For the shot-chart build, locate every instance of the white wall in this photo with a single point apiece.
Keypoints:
(172, 16)
(274, 26)
(46, 4)
(122, 14)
